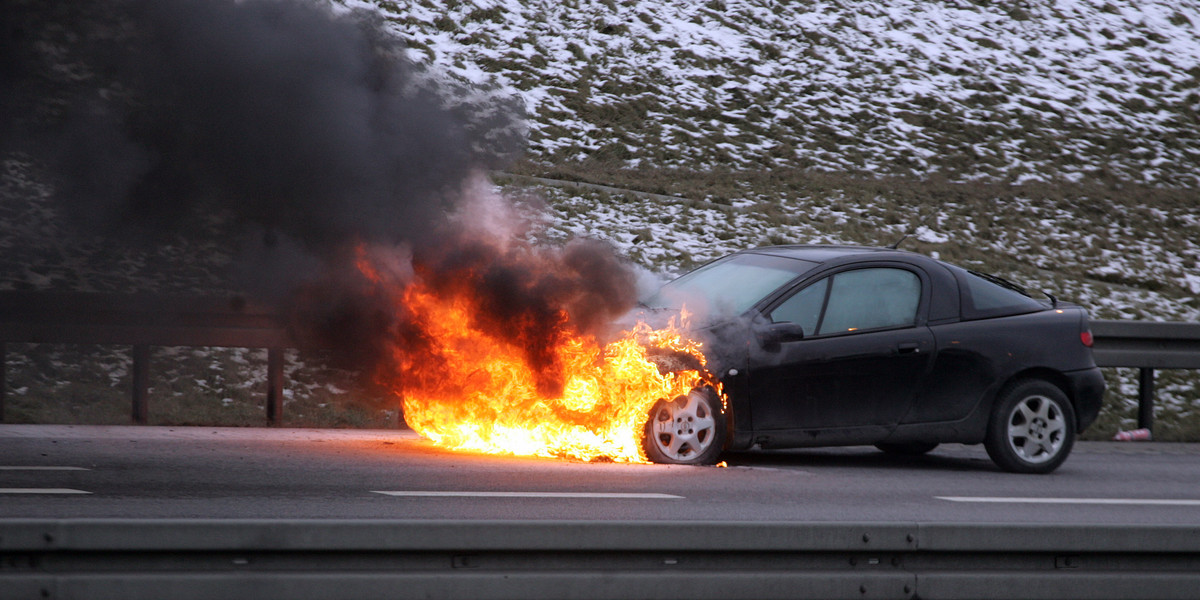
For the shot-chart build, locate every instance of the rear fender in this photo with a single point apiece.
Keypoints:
(972, 428)
(1056, 378)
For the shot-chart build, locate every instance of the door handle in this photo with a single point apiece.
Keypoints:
(908, 348)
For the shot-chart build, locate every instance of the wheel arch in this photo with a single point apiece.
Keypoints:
(725, 404)
(1041, 374)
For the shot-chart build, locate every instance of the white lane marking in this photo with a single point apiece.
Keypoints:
(1110, 501)
(37, 468)
(610, 495)
(41, 491)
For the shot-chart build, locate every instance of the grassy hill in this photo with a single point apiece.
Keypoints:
(1001, 91)
(1057, 144)
(1059, 138)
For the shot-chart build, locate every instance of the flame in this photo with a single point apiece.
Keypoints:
(467, 386)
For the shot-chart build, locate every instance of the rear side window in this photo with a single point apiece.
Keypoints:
(982, 298)
(858, 300)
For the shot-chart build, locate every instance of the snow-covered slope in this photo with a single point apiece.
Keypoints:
(1088, 97)
(1010, 91)
(844, 121)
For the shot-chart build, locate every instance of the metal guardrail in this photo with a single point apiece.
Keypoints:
(132, 559)
(142, 321)
(145, 321)
(1146, 346)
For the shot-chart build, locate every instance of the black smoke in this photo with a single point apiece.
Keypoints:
(299, 123)
(295, 131)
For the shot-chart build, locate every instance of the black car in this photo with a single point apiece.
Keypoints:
(836, 346)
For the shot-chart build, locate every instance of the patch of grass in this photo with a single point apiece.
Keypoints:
(52, 383)
(493, 14)
(445, 23)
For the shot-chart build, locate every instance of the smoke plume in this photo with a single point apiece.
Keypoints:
(297, 131)
(286, 115)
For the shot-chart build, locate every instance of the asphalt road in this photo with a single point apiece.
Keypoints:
(155, 472)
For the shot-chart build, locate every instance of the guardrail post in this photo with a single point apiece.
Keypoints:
(1146, 398)
(274, 385)
(3, 380)
(141, 383)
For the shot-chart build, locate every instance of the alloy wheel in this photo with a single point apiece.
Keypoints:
(685, 427)
(1036, 429)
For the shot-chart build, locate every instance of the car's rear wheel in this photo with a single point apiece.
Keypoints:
(907, 448)
(689, 430)
(1032, 428)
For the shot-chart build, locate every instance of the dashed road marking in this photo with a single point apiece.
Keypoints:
(40, 468)
(1105, 501)
(601, 495)
(41, 491)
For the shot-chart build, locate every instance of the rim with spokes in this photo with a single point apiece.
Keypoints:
(1036, 429)
(684, 428)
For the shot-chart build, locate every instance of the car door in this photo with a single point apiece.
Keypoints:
(865, 350)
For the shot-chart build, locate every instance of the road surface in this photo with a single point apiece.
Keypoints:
(253, 473)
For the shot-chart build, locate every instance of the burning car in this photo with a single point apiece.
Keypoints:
(837, 346)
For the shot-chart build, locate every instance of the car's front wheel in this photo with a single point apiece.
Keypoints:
(689, 430)
(1032, 428)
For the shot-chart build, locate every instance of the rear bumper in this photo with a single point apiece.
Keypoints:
(1087, 394)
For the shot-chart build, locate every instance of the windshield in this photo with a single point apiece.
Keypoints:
(730, 285)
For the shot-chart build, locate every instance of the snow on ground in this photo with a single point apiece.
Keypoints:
(1060, 91)
(1018, 92)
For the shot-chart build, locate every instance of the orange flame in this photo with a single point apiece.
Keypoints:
(465, 387)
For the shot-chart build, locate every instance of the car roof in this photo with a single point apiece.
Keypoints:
(828, 253)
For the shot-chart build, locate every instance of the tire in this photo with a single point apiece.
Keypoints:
(689, 430)
(907, 448)
(1032, 429)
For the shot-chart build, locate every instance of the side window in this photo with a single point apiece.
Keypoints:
(804, 307)
(983, 298)
(870, 299)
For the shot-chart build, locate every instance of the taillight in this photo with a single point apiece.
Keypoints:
(1086, 338)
